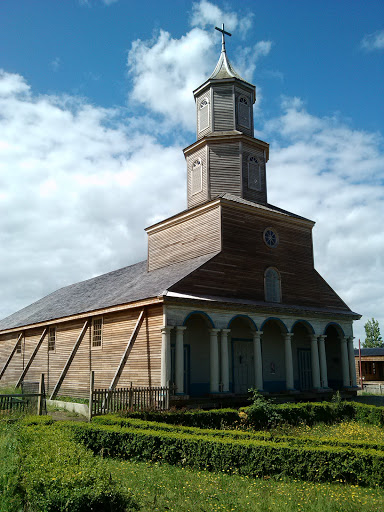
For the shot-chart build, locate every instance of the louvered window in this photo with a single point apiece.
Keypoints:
(203, 115)
(272, 285)
(52, 339)
(97, 332)
(197, 177)
(254, 174)
(244, 112)
(19, 346)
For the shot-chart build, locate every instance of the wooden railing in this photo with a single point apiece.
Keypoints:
(106, 401)
(31, 399)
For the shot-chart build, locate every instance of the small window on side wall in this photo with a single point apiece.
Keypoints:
(197, 176)
(244, 112)
(203, 115)
(97, 332)
(272, 285)
(254, 177)
(52, 339)
(19, 346)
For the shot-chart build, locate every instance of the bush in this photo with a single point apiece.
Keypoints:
(262, 413)
(215, 418)
(243, 456)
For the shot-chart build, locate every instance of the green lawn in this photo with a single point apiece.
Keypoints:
(167, 488)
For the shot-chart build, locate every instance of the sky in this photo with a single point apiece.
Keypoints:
(96, 106)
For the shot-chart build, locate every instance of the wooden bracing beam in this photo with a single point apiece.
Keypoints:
(11, 355)
(21, 378)
(70, 359)
(127, 350)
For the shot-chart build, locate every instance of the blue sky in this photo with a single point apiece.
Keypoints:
(96, 97)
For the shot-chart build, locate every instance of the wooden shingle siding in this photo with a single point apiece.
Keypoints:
(238, 271)
(224, 168)
(187, 239)
(248, 193)
(201, 197)
(223, 109)
(142, 367)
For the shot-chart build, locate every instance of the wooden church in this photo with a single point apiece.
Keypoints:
(228, 299)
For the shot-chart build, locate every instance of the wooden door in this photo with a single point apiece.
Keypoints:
(243, 366)
(305, 368)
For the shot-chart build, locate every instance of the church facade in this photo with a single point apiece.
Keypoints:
(227, 300)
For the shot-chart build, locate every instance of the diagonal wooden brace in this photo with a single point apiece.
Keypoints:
(69, 360)
(11, 355)
(127, 351)
(21, 378)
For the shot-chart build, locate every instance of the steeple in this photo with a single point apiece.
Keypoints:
(226, 157)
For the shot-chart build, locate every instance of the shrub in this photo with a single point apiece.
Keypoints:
(244, 456)
(262, 413)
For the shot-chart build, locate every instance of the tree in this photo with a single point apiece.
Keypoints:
(373, 337)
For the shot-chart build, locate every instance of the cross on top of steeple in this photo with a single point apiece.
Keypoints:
(222, 36)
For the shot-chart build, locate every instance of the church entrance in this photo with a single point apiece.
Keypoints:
(243, 365)
(305, 369)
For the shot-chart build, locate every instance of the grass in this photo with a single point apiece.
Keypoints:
(167, 488)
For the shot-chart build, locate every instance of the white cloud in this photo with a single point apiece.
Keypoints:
(205, 14)
(324, 170)
(77, 189)
(55, 63)
(374, 41)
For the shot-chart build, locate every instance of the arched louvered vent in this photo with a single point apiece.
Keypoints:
(203, 115)
(272, 285)
(244, 112)
(197, 177)
(254, 177)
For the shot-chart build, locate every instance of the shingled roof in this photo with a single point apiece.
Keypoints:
(128, 284)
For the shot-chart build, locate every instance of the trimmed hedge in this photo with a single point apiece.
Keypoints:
(245, 457)
(215, 418)
(264, 413)
(236, 434)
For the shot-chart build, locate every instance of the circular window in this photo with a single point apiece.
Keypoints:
(271, 238)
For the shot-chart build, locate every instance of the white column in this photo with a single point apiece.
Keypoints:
(258, 360)
(214, 361)
(225, 359)
(179, 360)
(345, 362)
(352, 366)
(315, 362)
(323, 361)
(288, 362)
(165, 355)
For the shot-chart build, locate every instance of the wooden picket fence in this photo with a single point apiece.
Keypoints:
(105, 401)
(31, 399)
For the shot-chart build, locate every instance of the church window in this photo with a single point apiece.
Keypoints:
(97, 332)
(254, 176)
(197, 177)
(203, 115)
(52, 339)
(272, 285)
(19, 346)
(271, 238)
(244, 112)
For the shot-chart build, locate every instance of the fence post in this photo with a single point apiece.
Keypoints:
(168, 392)
(40, 397)
(91, 388)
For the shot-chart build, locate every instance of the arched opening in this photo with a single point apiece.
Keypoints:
(274, 374)
(254, 178)
(203, 114)
(242, 365)
(196, 353)
(333, 354)
(301, 350)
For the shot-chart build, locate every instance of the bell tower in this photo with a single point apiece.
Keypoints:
(226, 158)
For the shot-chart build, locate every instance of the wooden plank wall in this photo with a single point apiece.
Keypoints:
(223, 108)
(187, 239)
(238, 271)
(224, 169)
(143, 367)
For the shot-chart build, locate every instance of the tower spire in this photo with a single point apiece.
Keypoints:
(222, 36)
